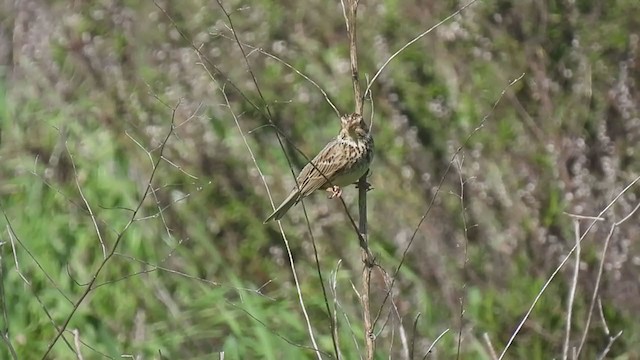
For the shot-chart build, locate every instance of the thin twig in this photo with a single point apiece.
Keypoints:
(13, 237)
(334, 293)
(3, 303)
(608, 348)
(605, 327)
(413, 336)
(86, 203)
(466, 248)
(572, 291)
(403, 333)
(492, 351)
(291, 262)
(433, 199)
(267, 115)
(433, 344)
(596, 288)
(294, 69)
(373, 79)
(117, 242)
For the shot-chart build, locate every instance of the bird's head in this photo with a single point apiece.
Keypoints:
(354, 126)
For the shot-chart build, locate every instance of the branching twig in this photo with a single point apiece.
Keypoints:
(561, 265)
(117, 242)
(599, 277)
(266, 114)
(291, 262)
(608, 348)
(12, 236)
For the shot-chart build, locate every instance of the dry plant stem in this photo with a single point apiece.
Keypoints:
(393, 310)
(363, 187)
(596, 298)
(353, 54)
(119, 238)
(466, 248)
(608, 348)
(404, 341)
(334, 292)
(604, 321)
(605, 248)
(332, 324)
(413, 337)
(572, 292)
(492, 351)
(368, 325)
(561, 265)
(86, 203)
(76, 343)
(368, 261)
(433, 344)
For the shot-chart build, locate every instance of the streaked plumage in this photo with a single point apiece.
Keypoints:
(342, 162)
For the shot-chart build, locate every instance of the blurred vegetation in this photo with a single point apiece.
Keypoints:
(82, 106)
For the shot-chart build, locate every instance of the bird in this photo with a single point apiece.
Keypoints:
(341, 162)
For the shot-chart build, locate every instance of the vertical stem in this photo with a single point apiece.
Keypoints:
(353, 9)
(363, 187)
(367, 259)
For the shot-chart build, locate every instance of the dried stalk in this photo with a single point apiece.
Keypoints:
(363, 186)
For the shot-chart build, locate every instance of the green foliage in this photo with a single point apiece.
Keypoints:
(87, 102)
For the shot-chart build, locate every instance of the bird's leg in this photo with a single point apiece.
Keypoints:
(335, 191)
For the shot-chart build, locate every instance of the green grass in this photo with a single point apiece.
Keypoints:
(184, 280)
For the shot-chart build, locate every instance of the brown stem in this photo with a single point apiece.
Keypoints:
(363, 187)
(368, 260)
(351, 27)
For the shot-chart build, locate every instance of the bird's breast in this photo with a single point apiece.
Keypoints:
(360, 155)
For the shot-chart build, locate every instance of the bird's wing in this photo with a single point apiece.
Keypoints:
(328, 163)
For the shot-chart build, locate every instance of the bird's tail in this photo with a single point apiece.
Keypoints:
(291, 200)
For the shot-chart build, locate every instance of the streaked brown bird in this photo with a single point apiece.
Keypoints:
(342, 162)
